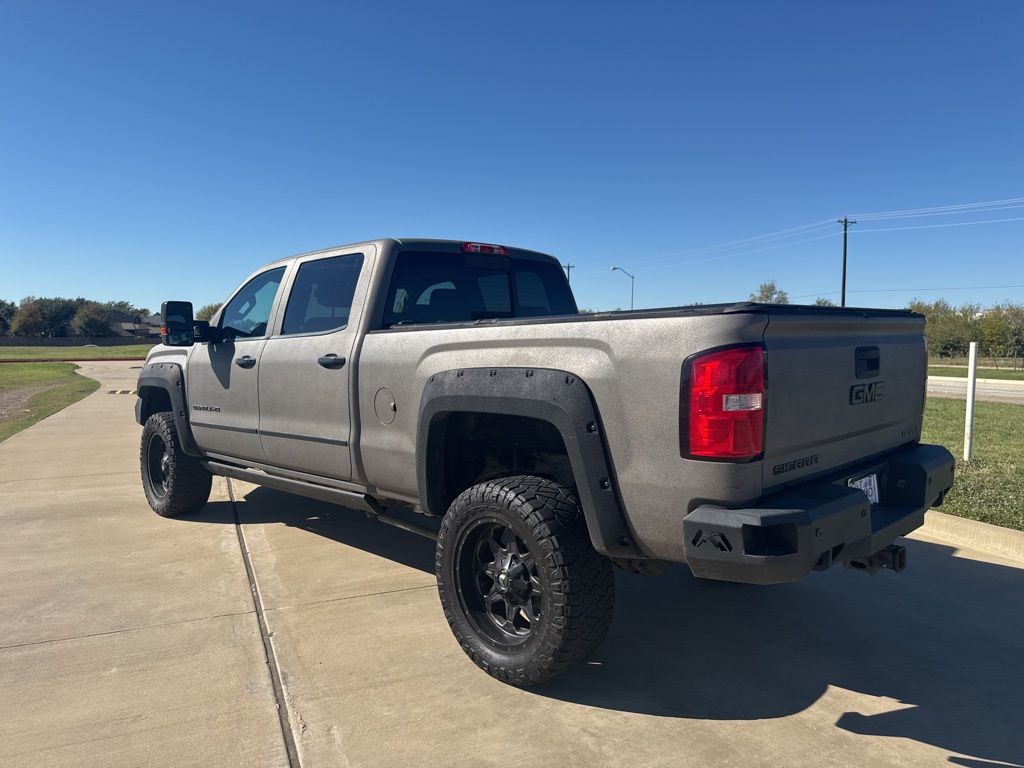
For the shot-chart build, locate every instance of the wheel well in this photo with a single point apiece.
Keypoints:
(154, 400)
(473, 447)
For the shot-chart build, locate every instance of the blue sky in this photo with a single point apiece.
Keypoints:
(164, 150)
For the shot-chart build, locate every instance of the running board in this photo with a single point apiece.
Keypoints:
(349, 499)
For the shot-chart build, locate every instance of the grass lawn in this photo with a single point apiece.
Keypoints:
(127, 352)
(32, 391)
(983, 373)
(990, 487)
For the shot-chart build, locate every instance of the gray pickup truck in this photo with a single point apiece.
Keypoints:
(753, 442)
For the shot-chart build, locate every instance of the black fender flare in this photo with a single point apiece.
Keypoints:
(168, 377)
(558, 397)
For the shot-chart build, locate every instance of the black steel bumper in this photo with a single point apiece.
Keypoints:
(785, 536)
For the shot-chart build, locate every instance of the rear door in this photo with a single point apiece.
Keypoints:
(222, 378)
(842, 385)
(307, 368)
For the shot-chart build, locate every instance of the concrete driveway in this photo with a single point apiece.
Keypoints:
(991, 390)
(127, 639)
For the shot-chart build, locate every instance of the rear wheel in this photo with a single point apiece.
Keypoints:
(175, 483)
(523, 590)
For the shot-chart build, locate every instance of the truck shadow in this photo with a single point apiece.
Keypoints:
(937, 652)
(940, 644)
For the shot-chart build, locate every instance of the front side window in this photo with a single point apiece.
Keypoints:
(452, 288)
(248, 313)
(321, 297)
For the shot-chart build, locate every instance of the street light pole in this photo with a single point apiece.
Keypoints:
(632, 283)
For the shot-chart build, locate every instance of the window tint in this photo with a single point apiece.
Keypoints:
(248, 313)
(447, 287)
(321, 296)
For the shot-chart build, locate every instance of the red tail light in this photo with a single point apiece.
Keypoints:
(721, 409)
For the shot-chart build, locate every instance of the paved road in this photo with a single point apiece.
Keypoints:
(992, 390)
(127, 639)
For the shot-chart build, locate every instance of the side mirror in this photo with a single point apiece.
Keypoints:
(206, 332)
(177, 328)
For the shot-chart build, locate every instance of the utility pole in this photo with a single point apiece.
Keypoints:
(846, 222)
(568, 272)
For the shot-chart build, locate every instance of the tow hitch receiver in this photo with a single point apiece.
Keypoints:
(892, 558)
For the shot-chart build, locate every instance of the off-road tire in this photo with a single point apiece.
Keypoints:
(576, 584)
(182, 485)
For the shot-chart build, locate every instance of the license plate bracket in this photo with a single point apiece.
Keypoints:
(868, 484)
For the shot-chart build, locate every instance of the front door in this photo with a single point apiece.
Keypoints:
(221, 378)
(306, 369)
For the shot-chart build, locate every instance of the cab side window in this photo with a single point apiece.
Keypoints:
(321, 297)
(248, 313)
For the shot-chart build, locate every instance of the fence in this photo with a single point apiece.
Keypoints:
(71, 341)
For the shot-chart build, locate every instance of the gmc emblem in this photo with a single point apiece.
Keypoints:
(867, 393)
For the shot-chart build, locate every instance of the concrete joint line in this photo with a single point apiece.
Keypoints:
(350, 597)
(268, 648)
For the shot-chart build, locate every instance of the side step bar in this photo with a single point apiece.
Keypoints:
(349, 499)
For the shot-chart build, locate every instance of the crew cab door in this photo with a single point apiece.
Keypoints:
(222, 377)
(306, 369)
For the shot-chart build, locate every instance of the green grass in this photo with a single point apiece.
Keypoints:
(983, 373)
(127, 352)
(990, 487)
(64, 387)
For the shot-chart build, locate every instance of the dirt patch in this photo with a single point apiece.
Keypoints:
(13, 403)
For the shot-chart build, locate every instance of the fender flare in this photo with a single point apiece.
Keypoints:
(169, 378)
(558, 397)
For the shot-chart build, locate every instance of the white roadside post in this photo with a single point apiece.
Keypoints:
(972, 375)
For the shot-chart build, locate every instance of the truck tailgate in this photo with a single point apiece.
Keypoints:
(842, 385)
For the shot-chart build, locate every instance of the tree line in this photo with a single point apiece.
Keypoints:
(56, 316)
(999, 329)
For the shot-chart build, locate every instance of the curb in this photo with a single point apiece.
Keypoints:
(1007, 382)
(962, 532)
(71, 360)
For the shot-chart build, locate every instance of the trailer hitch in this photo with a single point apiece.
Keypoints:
(891, 558)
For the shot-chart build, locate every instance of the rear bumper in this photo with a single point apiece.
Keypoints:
(785, 536)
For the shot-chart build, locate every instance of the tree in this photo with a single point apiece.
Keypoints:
(28, 320)
(7, 310)
(44, 317)
(92, 319)
(822, 301)
(770, 293)
(949, 329)
(207, 311)
(128, 309)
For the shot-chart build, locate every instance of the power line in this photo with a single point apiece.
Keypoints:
(787, 244)
(945, 210)
(791, 232)
(909, 290)
(906, 213)
(938, 226)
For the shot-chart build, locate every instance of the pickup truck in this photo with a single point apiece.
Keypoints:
(755, 443)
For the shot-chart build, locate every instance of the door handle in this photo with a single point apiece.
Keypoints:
(245, 361)
(331, 361)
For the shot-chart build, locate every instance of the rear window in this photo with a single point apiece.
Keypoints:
(462, 287)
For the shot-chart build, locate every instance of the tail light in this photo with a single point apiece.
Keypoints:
(722, 402)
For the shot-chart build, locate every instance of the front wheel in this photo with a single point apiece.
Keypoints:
(175, 483)
(523, 590)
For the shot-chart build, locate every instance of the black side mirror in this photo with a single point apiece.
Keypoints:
(177, 328)
(207, 332)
